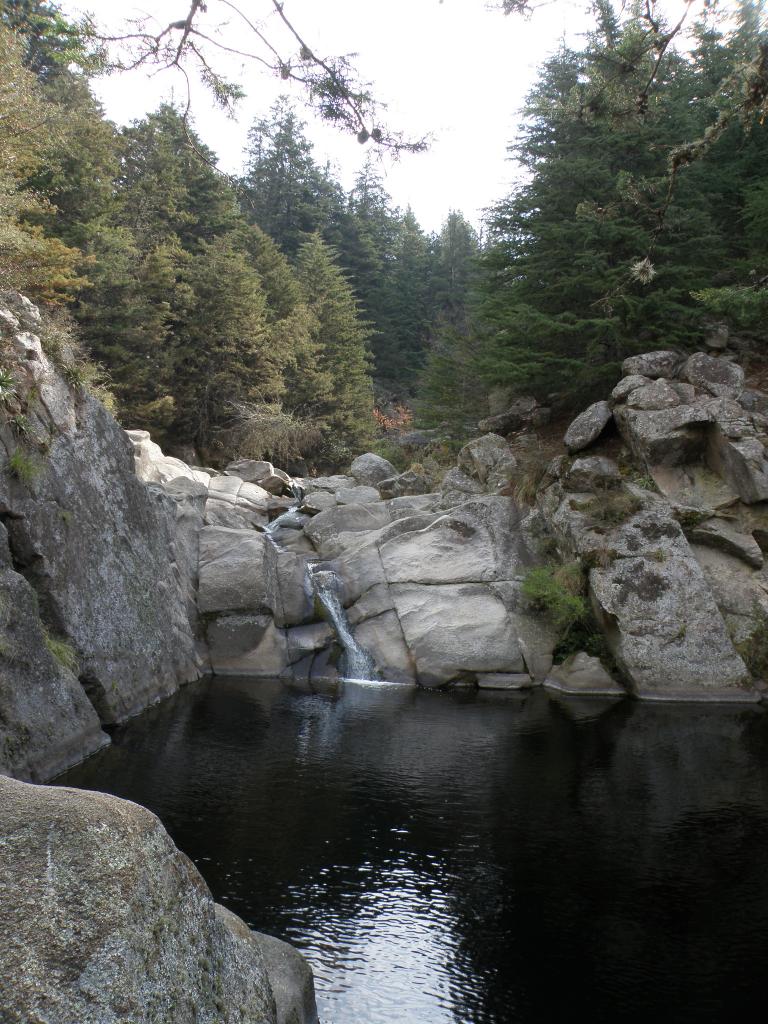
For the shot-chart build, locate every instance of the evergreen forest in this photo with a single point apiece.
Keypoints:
(276, 315)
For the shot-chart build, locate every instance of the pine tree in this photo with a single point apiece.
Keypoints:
(335, 382)
(283, 190)
(586, 263)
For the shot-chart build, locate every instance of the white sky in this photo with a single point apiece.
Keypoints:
(454, 69)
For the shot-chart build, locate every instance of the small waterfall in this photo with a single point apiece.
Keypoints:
(292, 518)
(356, 662)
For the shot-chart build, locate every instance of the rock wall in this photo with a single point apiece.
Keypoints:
(665, 514)
(105, 922)
(97, 570)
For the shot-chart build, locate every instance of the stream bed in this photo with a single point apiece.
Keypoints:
(473, 858)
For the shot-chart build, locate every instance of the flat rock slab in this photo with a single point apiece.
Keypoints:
(451, 630)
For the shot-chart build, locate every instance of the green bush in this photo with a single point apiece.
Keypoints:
(609, 508)
(23, 466)
(560, 592)
(7, 386)
(62, 651)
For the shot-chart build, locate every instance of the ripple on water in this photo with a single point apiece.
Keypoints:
(473, 859)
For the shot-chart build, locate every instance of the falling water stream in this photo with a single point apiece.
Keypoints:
(355, 662)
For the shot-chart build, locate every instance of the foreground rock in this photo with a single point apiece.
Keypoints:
(104, 920)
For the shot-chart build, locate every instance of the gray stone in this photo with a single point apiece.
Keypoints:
(662, 363)
(741, 463)
(488, 460)
(516, 416)
(627, 385)
(371, 469)
(46, 721)
(382, 636)
(277, 482)
(456, 486)
(236, 504)
(582, 674)
(303, 640)
(754, 401)
(319, 501)
(290, 976)
(103, 553)
(232, 571)
(413, 504)
(588, 426)
(717, 336)
(717, 533)
(326, 483)
(410, 482)
(738, 590)
(476, 541)
(153, 467)
(455, 629)
(659, 394)
(330, 530)
(357, 495)
(104, 920)
(251, 470)
(593, 473)
(717, 376)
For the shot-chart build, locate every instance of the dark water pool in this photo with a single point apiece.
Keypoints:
(482, 859)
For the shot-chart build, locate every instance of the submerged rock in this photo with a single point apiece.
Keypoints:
(581, 673)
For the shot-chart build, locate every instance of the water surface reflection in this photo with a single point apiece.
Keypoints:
(473, 859)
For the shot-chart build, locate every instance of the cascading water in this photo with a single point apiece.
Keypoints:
(356, 662)
(292, 518)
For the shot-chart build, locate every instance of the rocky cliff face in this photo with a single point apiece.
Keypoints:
(97, 570)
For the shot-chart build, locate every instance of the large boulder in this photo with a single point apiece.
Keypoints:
(153, 467)
(524, 412)
(105, 920)
(371, 469)
(588, 426)
(671, 436)
(665, 630)
(235, 503)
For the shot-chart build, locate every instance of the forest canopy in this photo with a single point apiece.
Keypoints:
(270, 312)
